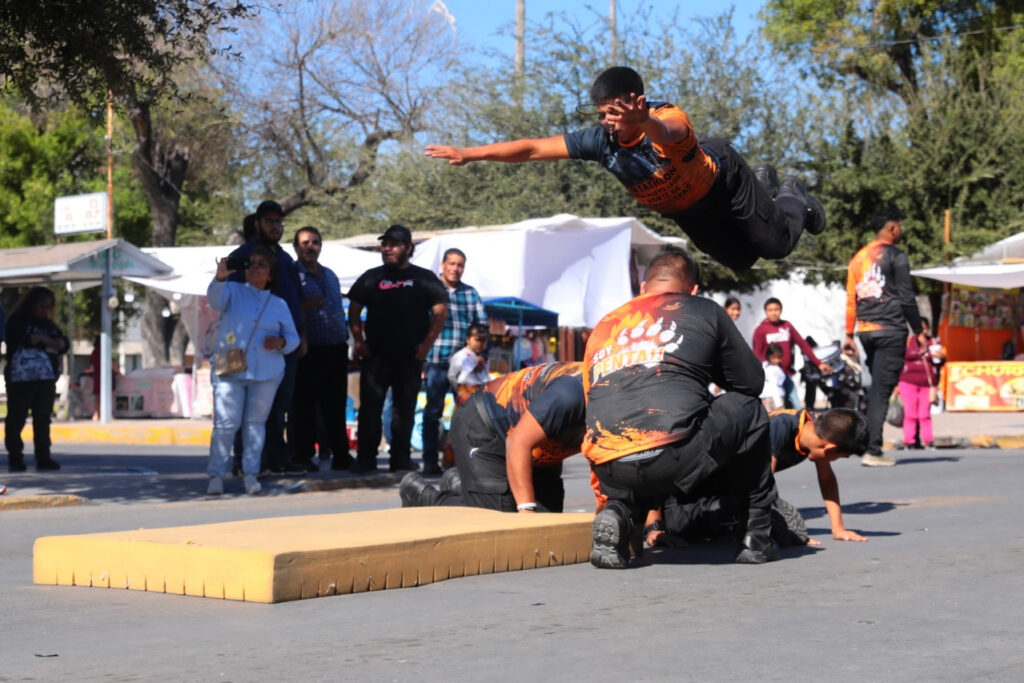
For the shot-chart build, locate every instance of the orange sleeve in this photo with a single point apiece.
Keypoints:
(599, 498)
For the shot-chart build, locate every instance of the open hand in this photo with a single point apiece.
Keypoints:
(454, 155)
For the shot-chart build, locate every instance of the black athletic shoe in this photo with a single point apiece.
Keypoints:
(791, 186)
(16, 464)
(451, 481)
(408, 466)
(46, 464)
(416, 492)
(611, 532)
(767, 176)
(431, 469)
(757, 546)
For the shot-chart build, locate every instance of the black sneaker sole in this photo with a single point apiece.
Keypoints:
(611, 541)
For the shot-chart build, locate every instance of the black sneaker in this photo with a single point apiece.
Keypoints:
(451, 481)
(46, 464)
(308, 464)
(611, 532)
(416, 492)
(431, 469)
(289, 468)
(791, 186)
(767, 176)
(407, 466)
(16, 464)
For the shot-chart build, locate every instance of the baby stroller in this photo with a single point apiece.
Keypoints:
(843, 386)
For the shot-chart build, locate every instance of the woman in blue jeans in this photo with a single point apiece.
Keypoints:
(259, 323)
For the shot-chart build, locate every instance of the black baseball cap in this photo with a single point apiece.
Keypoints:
(269, 207)
(398, 233)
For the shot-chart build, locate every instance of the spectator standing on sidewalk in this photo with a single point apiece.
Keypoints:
(918, 388)
(405, 310)
(269, 226)
(321, 383)
(464, 309)
(774, 330)
(879, 305)
(34, 345)
(260, 324)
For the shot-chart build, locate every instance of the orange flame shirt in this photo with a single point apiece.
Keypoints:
(647, 367)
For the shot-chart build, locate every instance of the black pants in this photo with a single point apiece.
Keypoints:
(738, 222)
(480, 457)
(376, 376)
(727, 453)
(321, 388)
(23, 397)
(276, 449)
(885, 352)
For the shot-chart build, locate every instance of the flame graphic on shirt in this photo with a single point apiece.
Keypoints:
(871, 283)
(644, 342)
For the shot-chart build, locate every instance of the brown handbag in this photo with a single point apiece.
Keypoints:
(232, 361)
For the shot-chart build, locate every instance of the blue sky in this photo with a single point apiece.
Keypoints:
(478, 21)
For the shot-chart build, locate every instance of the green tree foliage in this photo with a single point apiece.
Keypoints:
(921, 108)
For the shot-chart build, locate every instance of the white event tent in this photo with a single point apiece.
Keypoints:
(578, 267)
(999, 266)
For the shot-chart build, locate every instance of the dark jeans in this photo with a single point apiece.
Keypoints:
(738, 222)
(885, 352)
(480, 458)
(276, 452)
(321, 388)
(436, 386)
(23, 397)
(376, 376)
(727, 453)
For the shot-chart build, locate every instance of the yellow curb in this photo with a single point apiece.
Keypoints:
(32, 502)
(983, 441)
(1009, 441)
(114, 434)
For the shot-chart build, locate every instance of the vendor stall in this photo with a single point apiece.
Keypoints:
(982, 313)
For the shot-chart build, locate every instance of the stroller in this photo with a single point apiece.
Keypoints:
(843, 386)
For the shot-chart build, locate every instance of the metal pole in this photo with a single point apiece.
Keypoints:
(106, 413)
(110, 164)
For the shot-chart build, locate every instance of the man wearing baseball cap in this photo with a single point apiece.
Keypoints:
(405, 310)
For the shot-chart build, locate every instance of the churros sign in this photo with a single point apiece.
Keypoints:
(985, 386)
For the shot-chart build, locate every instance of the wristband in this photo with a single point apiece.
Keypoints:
(657, 525)
(527, 506)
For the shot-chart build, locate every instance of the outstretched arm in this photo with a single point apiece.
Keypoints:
(829, 486)
(513, 151)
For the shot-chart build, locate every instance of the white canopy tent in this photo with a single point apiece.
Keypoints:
(577, 267)
(999, 266)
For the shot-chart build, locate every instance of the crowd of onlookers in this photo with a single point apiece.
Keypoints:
(281, 356)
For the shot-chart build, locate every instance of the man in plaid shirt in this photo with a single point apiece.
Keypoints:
(464, 309)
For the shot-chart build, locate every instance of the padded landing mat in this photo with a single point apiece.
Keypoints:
(289, 558)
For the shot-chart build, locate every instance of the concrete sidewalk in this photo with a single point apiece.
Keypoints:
(952, 430)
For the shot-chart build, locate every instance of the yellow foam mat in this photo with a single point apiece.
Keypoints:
(288, 558)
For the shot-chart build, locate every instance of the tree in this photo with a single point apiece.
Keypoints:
(881, 44)
(137, 52)
(334, 81)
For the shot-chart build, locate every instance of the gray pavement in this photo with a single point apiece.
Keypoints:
(935, 594)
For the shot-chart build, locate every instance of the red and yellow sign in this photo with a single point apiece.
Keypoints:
(995, 385)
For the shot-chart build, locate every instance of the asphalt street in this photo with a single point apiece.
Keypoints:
(935, 594)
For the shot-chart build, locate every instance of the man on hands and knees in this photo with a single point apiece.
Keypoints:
(652, 428)
(796, 436)
(510, 439)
